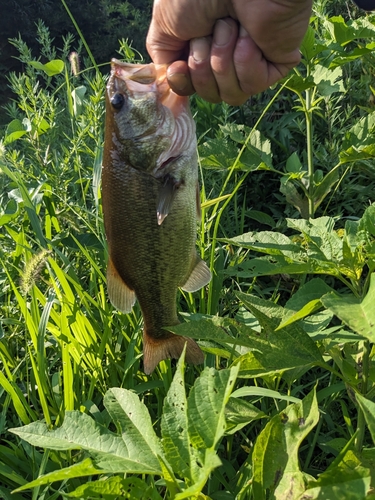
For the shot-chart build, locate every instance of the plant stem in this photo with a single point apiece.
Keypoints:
(361, 422)
(310, 160)
(233, 168)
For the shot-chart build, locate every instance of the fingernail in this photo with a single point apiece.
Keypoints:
(243, 33)
(178, 81)
(222, 33)
(200, 49)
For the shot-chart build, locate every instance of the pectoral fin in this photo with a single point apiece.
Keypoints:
(198, 278)
(167, 193)
(120, 295)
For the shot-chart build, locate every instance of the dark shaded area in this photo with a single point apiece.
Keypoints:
(102, 23)
(366, 4)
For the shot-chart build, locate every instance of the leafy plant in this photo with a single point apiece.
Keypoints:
(284, 406)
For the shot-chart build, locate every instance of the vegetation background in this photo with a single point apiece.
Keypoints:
(284, 406)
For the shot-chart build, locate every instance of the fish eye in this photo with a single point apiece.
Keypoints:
(117, 100)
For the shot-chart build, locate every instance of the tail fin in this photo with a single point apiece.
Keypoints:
(166, 347)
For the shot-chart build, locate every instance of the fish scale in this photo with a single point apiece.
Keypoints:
(149, 195)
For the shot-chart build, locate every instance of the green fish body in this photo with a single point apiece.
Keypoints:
(150, 199)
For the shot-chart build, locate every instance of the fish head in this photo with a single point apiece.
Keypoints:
(140, 123)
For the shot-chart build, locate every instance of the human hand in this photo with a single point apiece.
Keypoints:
(227, 49)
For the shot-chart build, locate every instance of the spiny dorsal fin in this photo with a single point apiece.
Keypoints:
(199, 276)
(120, 295)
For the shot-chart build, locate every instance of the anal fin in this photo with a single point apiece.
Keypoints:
(119, 293)
(199, 276)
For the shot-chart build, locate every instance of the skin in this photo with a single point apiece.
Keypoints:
(227, 50)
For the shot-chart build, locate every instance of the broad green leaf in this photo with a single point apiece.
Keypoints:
(206, 423)
(108, 451)
(293, 197)
(258, 153)
(359, 316)
(322, 188)
(280, 350)
(239, 413)
(275, 457)
(368, 408)
(267, 266)
(298, 84)
(14, 131)
(174, 427)
(237, 132)
(10, 212)
(361, 134)
(51, 68)
(344, 479)
(293, 163)
(78, 94)
(82, 469)
(206, 407)
(261, 217)
(307, 45)
(341, 485)
(218, 330)
(344, 32)
(115, 487)
(367, 222)
(134, 421)
(269, 242)
(305, 301)
(218, 153)
(328, 80)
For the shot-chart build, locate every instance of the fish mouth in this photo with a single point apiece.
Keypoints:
(141, 78)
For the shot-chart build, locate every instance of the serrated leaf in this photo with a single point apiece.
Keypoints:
(328, 80)
(359, 316)
(275, 457)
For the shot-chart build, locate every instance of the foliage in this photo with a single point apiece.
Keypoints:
(284, 407)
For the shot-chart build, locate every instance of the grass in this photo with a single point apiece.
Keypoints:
(286, 323)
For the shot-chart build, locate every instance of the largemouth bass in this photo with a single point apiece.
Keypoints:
(150, 201)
